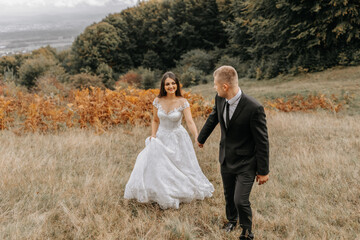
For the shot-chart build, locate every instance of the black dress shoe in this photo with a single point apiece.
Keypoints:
(246, 235)
(228, 227)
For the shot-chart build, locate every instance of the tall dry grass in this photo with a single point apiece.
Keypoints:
(70, 185)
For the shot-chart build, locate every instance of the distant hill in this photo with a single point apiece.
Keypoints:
(20, 33)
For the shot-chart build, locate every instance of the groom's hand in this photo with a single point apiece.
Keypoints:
(262, 179)
(200, 144)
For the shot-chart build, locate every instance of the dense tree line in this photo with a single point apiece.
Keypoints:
(291, 35)
(260, 38)
(154, 34)
(267, 37)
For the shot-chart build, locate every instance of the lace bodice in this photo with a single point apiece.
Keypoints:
(172, 119)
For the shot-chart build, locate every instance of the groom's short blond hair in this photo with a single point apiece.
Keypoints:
(227, 74)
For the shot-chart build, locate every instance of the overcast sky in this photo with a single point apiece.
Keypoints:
(30, 7)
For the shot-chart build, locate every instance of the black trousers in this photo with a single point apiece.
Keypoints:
(237, 188)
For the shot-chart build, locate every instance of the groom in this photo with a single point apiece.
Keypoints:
(244, 146)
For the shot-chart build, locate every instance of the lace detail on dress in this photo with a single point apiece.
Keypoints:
(156, 103)
(185, 105)
(180, 108)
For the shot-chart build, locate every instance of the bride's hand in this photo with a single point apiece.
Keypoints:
(199, 144)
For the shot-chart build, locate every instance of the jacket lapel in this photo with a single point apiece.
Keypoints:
(239, 108)
(221, 111)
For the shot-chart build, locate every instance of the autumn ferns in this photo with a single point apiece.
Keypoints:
(100, 109)
(298, 103)
(87, 108)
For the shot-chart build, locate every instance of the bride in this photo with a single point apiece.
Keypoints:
(166, 171)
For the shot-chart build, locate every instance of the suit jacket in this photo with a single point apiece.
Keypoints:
(245, 142)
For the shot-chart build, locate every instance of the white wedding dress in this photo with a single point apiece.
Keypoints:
(166, 171)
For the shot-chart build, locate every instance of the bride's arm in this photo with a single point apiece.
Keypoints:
(190, 123)
(155, 122)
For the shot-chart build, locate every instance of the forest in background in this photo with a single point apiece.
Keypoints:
(261, 39)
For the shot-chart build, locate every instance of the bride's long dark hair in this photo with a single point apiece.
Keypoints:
(162, 85)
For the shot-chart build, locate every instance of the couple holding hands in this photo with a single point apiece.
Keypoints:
(167, 171)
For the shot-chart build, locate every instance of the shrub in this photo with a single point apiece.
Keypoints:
(59, 73)
(198, 59)
(86, 80)
(355, 58)
(132, 78)
(349, 58)
(148, 79)
(140, 77)
(7, 63)
(207, 79)
(191, 76)
(11, 89)
(32, 69)
(50, 86)
(106, 74)
(9, 75)
(241, 68)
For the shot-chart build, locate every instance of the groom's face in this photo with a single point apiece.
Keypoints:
(219, 87)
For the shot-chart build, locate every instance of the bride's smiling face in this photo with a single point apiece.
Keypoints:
(170, 86)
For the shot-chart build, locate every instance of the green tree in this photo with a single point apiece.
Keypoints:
(66, 60)
(169, 28)
(191, 25)
(152, 60)
(283, 35)
(47, 52)
(99, 43)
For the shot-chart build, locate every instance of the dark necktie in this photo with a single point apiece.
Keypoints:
(227, 114)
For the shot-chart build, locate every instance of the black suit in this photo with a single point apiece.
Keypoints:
(244, 152)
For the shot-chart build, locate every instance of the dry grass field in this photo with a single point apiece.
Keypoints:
(70, 185)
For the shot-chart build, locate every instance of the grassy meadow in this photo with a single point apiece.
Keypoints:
(70, 185)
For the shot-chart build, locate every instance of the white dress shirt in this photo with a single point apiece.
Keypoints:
(233, 104)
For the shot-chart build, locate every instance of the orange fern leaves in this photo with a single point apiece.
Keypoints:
(310, 103)
(87, 108)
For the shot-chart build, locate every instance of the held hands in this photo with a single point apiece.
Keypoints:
(199, 144)
(262, 179)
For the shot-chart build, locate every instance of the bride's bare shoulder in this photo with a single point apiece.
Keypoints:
(182, 99)
(183, 102)
(156, 102)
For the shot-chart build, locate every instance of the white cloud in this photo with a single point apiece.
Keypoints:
(62, 3)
